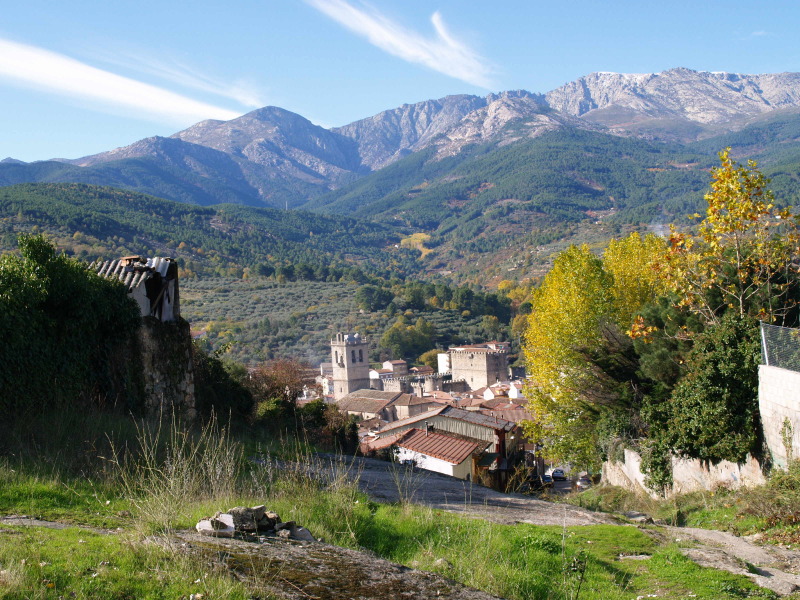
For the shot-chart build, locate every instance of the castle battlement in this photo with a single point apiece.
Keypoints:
(349, 339)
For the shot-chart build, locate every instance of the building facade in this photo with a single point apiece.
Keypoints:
(350, 364)
(480, 365)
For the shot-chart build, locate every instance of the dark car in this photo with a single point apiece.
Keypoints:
(547, 480)
(559, 475)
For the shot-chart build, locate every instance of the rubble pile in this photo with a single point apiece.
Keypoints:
(253, 521)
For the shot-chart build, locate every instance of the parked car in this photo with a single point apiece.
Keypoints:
(583, 482)
(547, 481)
(559, 475)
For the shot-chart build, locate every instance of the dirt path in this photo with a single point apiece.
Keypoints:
(777, 569)
(768, 566)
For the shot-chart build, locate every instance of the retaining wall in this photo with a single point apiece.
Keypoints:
(687, 474)
(778, 400)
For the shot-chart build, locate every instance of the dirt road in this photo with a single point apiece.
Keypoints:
(777, 569)
(389, 482)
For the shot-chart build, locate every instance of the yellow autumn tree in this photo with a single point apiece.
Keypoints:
(583, 303)
(632, 264)
(743, 256)
(566, 314)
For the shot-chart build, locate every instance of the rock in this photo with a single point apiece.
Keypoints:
(259, 512)
(243, 519)
(637, 517)
(443, 562)
(220, 525)
(302, 534)
(288, 525)
(268, 521)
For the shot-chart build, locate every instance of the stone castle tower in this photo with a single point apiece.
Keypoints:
(350, 364)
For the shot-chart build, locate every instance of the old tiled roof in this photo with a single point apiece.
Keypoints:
(517, 415)
(374, 444)
(362, 405)
(409, 420)
(439, 396)
(372, 424)
(410, 400)
(458, 414)
(132, 271)
(371, 394)
(439, 445)
(500, 404)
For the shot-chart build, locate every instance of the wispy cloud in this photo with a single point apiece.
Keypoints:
(759, 33)
(441, 52)
(55, 73)
(241, 91)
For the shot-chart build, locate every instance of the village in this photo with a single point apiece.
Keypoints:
(463, 419)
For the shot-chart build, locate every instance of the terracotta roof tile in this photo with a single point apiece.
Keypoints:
(439, 445)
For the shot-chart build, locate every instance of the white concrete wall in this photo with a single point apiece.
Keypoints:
(778, 400)
(423, 461)
(687, 474)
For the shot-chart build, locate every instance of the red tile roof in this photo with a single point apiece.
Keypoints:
(371, 445)
(438, 445)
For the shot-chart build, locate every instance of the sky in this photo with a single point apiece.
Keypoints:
(86, 76)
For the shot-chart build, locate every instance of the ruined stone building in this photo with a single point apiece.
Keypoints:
(164, 345)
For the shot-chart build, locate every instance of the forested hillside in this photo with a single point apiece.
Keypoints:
(99, 222)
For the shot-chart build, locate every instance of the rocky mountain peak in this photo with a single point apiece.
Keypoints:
(631, 103)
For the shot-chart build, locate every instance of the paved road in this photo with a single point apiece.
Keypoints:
(390, 482)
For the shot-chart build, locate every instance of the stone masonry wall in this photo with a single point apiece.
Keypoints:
(688, 474)
(778, 400)
(168, 368)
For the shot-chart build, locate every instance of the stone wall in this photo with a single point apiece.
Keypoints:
(778, 400)
(687, 474)
(167, 366)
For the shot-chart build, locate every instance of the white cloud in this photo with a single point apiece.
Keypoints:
(41, 69)
(241, 91)
(442, 52)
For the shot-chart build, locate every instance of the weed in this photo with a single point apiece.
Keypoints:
(173, 466)
(407, 479)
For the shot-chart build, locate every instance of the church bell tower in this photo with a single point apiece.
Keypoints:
(350, 364)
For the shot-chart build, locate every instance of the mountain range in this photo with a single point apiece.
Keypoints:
(275, 157)
(607, 149)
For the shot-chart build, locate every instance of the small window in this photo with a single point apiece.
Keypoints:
(353, 355)
(360, 356)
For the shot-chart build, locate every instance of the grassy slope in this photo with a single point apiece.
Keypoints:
(519, 562)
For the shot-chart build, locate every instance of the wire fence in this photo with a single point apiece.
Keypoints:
(780, 347)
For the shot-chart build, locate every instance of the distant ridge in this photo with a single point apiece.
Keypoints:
(273, 157)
